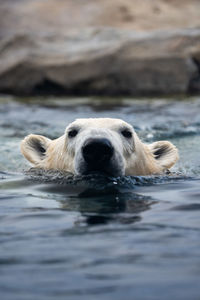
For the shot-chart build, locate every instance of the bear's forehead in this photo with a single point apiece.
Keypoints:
(99, 123)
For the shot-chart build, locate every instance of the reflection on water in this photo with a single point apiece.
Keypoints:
(65, 237)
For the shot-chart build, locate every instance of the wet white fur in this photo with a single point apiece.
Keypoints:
(132, 156)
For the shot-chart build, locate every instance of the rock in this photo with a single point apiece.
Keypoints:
(61, 16)
(99, 47)
(100, 61)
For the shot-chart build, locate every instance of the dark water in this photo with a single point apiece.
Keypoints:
(94, 237)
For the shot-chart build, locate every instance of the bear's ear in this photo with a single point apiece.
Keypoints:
(34, 148)
(165, 153)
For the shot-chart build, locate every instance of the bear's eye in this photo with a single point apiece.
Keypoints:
(126, 133)
(72, 133)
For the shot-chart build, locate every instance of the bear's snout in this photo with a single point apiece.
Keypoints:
(97, 153)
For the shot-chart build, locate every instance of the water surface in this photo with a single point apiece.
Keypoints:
(100, 238)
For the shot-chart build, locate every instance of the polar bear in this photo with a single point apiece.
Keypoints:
(99, 145)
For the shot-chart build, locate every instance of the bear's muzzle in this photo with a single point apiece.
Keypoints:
(97, 154)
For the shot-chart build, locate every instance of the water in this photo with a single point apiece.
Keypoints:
(95, 237)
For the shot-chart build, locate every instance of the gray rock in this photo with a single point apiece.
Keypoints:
(101, 61)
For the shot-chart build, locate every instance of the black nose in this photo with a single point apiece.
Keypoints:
(97, 151)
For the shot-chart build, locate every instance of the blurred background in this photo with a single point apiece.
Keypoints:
(132, 47)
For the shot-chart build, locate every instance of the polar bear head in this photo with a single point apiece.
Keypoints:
(105, 145)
